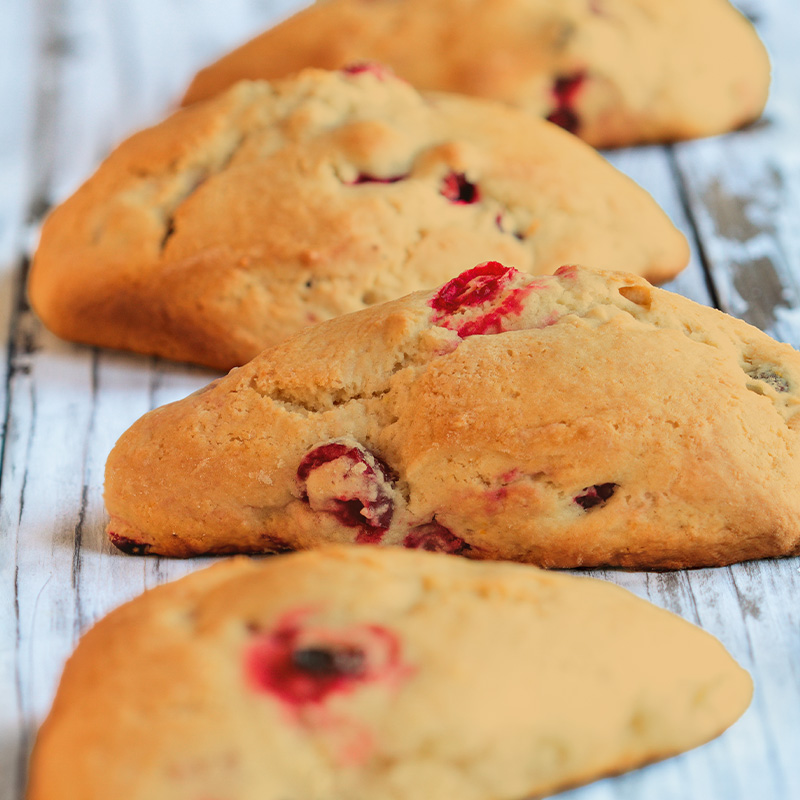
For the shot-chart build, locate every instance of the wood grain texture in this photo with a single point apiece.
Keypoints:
(76, 78)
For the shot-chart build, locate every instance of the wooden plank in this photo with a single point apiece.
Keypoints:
(17, 101)
(37, 455)
(654, 170)
(766, 593)
(744, 192)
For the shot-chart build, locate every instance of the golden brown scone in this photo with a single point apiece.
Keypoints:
(575, 420)
(378, 675)
(615, 72)
(237, 222)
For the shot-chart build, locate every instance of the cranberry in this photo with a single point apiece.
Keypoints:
(777, 382)
(303, 666)
(487, 324)
(566, 87)
(363, 177)
(380, 71)
(360, 486)
(130, 546)
(457, 189)
(435, 538)
(474, 287)
(565, 92)
(565, 118)
(596, 495)
(329, 661)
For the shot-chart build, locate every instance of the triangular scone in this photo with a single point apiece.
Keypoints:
(574, 420)
(237, 222)
(613, 71)
(378, 675)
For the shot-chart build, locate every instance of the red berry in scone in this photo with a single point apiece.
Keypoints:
(351, 483)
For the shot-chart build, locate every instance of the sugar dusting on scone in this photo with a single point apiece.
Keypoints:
(578, 419)
(377, 674)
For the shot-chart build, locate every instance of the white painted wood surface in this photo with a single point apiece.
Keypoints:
(78, 75)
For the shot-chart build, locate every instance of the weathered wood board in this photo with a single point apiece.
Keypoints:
(77, 77)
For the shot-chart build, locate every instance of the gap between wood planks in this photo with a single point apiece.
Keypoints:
(693, 233)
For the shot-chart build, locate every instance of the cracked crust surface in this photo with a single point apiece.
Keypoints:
(374, 674)
(237, 222)
(580, 419)
(615, 72)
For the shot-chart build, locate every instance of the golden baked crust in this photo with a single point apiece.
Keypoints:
(613, 71)
(373, 674)
(581, 419)
(237, 222)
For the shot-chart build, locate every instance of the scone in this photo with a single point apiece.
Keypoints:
(581, 419)
(237, 222)
(614, 72)
(378, 675)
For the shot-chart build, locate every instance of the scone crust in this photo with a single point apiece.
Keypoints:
(598, 421)
(239, 221)
(487, 681)
(649, 70)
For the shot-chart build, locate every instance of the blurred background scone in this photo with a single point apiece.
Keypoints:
(615, 72)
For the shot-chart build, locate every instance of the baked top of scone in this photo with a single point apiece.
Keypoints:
(372, 674)
(239, 221)
(613, 71)
(579, 419)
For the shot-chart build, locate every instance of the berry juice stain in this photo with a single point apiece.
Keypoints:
(303, 665)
